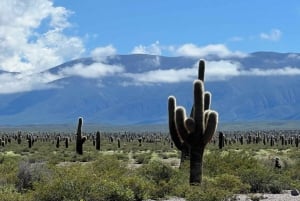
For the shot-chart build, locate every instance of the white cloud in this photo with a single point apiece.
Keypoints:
(23, 48)
(273, 35)
(293, 56)
(94, 70)
(22, 82)
(220, 50)
(154, 49)
(101, 53)
(163, 76)
(285, 71)
(14, 83)
(221, 70)
(214, 71)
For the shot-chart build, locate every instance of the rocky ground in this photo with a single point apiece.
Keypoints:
(286, 196)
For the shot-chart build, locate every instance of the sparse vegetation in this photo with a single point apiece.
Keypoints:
(133, 172)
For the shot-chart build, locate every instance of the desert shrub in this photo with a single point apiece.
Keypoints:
(122, 156)
(228, 162)
(8, 170)
(142, 158)
(28, 173)
(266, 180)
(108, 166)
(141, 188)
(70, 182)
(9, 193)
(107, 190)
(98, 181)
(160, 174)
(208, 192)
(231, 183)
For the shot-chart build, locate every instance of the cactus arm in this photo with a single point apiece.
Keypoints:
(201, 70)
(207, 100)
(199, 109)
(180, 123)
(172, 127)
(211, 126)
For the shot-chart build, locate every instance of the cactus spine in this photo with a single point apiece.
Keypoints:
(196, 131)
(79, 138)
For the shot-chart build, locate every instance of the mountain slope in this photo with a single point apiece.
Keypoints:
(114, 99)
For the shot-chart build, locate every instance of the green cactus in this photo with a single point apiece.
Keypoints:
(196, 131)
(221, 140)
(19, 137)
(98, 140)
(79, 138)
(57, 141)
(66, 142)
(30, 140)
(119, 143)
(175, 136)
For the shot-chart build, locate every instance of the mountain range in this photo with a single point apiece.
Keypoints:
(133, 89)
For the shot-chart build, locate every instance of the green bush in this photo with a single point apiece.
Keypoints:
(231, 183)
(207, 192)
(160, 175)
(141, 188)
(142, 158)
(9, 193)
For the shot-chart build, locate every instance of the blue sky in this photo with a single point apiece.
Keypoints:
(36, 35)
(247, 26)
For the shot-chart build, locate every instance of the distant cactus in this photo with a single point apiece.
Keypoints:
(196, 131)
(57, 141)
(67, 142)
(221, 140)
(140, 141)
(30, 140)
(272, 141)
(119, 143)
(79, 138)
(98, 140)
(19, 137)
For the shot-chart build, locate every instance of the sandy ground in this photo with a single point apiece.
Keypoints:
(286, 196)
(270, 197)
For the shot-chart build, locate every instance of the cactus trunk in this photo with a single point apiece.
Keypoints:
(196, 161)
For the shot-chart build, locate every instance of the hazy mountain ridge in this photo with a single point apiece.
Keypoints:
(110, 100)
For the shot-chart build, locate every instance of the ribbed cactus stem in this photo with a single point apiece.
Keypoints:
(175, 136)
(79, 138)
(196, 131)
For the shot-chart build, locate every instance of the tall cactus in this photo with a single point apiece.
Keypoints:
(196, 131)
(79, 138)
(175, 136)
